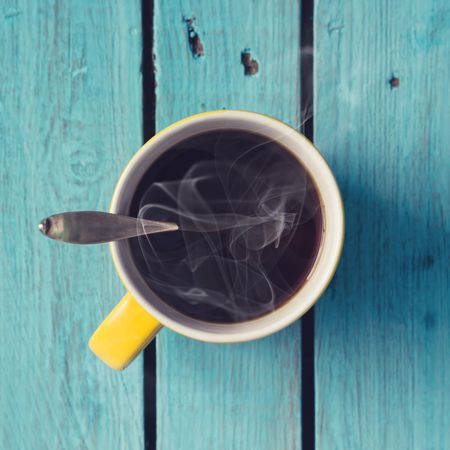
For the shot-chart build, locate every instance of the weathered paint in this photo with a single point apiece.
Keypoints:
(70, 117)
(383, 329)
(243, 396)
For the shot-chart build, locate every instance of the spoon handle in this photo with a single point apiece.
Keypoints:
(94, 227)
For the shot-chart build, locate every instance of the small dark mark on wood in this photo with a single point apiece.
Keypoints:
(195, 42)
(429, 320)
(246, 58)
(251, 66)
(428, 262)
(394, 82)
(197, 46)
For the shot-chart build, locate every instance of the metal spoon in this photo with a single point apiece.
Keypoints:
(93, 227)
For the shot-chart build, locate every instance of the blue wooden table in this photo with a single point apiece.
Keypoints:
(82, 83)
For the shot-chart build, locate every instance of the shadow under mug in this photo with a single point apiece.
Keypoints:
(138, 317)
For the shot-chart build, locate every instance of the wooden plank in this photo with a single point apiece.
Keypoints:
(70, 118)
(232, 396)
(383, 334)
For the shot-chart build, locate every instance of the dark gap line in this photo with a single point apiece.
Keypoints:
(308, 396)
(148, 127)
(148, 70)
(150, 396)
(307, 67)
(307, 322)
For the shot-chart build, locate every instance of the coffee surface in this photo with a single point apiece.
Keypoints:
(251, 226)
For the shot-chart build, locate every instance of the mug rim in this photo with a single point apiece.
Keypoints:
(260, 326)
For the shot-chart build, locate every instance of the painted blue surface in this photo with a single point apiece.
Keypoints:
(70, 115)
(70, 118)
(383, 328)
(242, 396)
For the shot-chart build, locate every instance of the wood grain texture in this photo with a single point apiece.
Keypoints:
(383, 330)
(245, 396)
(70, 117)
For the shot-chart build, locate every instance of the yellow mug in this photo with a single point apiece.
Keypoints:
(138, 317)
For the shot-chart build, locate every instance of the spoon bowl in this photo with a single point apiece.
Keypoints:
(95, 227)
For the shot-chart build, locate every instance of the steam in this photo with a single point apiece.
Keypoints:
(307, 97)
(237, 218)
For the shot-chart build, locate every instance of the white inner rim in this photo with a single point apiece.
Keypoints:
(329, 252)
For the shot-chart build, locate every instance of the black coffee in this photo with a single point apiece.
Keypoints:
(250, 219)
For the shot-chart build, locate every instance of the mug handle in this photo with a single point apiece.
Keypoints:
(124, 333)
